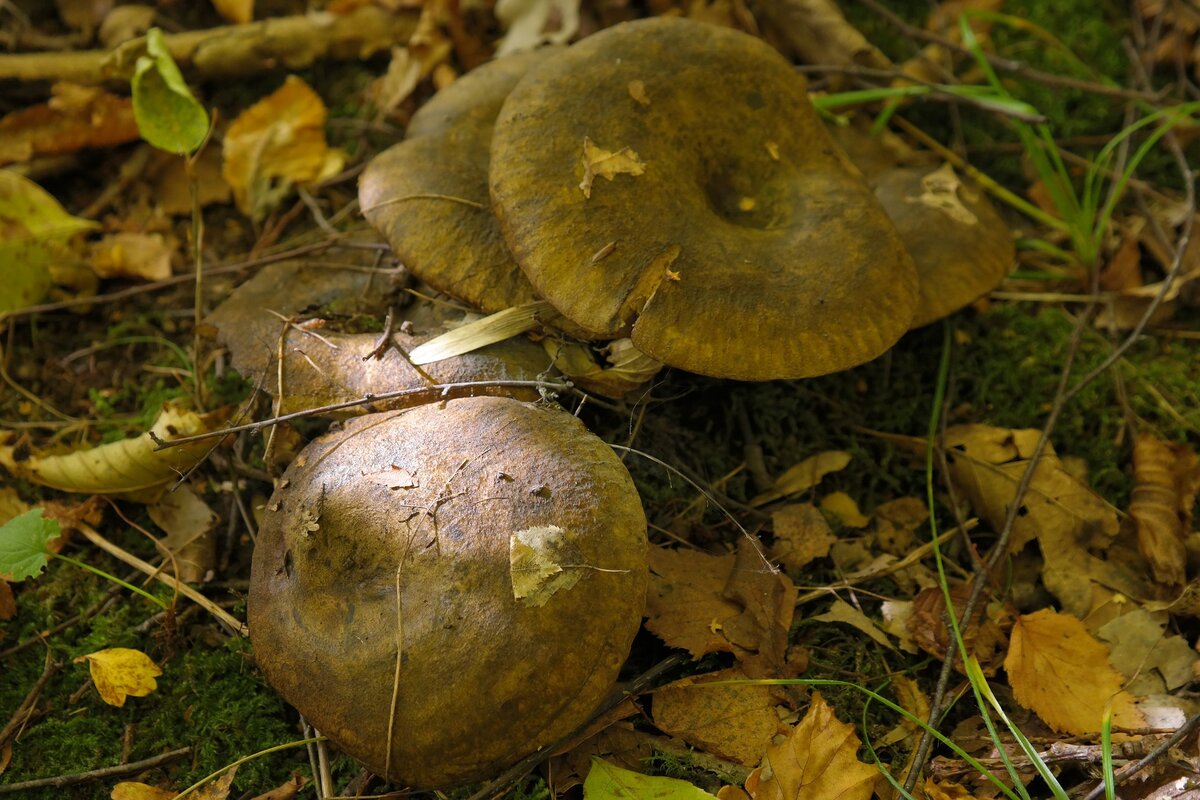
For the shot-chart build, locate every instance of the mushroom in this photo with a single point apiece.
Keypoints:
(670, 181)
(445, 589)
(961, 246)
(428, 195)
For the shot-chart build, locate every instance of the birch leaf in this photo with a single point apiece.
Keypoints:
(601, 163)
(120, 672)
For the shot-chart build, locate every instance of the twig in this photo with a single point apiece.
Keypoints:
(442, 389)
(228, 620)
(121, 770)
(256, 47)
(1007, 64)
(23, 711)
(1129, 770)
(108, 599)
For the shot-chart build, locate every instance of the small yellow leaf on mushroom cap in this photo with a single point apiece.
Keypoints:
(536, 557)
(120, 672)
(940, 190)
(598, 162)
(637, 90)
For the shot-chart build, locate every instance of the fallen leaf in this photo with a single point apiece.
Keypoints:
(984, 636)
(1058, 671)
(940, 189)
(1139, 643)
(75, 117)
(542, 561)
(897, 616)
(804, 476)
(129, 465)
(619, 744)
(190, 526)
(598, 162)
(817, 761)
(238, 12)
(1123, 270)
(897, 522)
(608, 782)
(736, 723)
(120, 672)
(637, 91)
(946, 790)
(843, 612)
(132, 790)
(168, 115)
(276, 143)
(285, 791)
(801, 535)
(722, 604)
(8, 601)
(1166, 479)
(531, 23)
(909, 697)
(842, 506)
(131, 255)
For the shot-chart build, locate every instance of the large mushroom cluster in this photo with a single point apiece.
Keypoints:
(470, 573)
(670, 182)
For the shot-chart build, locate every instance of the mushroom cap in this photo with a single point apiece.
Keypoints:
(960, 244)
(748, 248)
(414, 191)
(443, 502)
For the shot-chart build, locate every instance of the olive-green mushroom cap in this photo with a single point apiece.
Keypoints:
(725, 232)
(518, 544)
(428, 195)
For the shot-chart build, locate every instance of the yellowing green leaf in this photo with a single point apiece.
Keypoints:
(598, 162)
(1058, 671)
(23, 541)
(167, 114)
(608, 782)
(120, 672)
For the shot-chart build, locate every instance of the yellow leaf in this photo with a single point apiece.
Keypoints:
(132, 790)
(801, 535)
(1166, 480)
(817, 761)
(537, 558)
(598, 162)
(1058, 671)
(805, 475)
(845, 509)
(277, 142)
(120, 672)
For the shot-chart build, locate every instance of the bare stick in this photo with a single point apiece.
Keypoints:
(280, 43)
(443, 389)
(226, 619)
(121, 770)
(26, 708)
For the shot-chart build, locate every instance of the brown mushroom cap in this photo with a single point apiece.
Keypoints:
(961, 246)
(749, 248)
(443, 501)
(428, 195)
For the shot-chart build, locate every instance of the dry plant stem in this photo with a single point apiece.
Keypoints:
(26, 708)
(638, 685)
(280, 43)
(1129, 770)
(443, 388)
(121, 770)
(228, 620)
(1007, 64)
(133, 291)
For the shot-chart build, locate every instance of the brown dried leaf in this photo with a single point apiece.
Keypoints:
(1139, 643)
(190, 526)
(76, 117)
(736, 723)
(984, 636)
(910, 697)
(8, 602)
(843, 612)
(801, 535)
(722, 604)
(817, 761)
(897, 522)
(804, 476)
(285, 791)
(276, 143)
(601, 163)
(1166, 479)
(1058, 671)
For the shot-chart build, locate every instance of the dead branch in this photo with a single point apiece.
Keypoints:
(121, 770)
(232, 50)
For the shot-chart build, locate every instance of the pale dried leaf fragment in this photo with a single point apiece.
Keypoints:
(637, 90)
(601, 163)
(531, 23)
(542, 561)
(1061, 673)
(817, 761)
(129, 465)
(801, 535)
(480, 333)
(121, 672)
(190, 526)
(843, 612)
(146, 256)
(1139, 644)
(940, 189)
(804, 476)
(1166, 479)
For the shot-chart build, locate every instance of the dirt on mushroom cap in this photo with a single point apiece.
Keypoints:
(747, 248)
(431, 499)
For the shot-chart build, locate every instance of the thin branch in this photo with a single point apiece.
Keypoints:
(119, 771)
(21, 715)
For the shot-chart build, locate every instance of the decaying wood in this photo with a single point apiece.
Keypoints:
(289, 43)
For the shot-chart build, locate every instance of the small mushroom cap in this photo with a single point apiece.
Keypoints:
(428, 195)
(961, 246)
(748, 247)
(518, 544)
